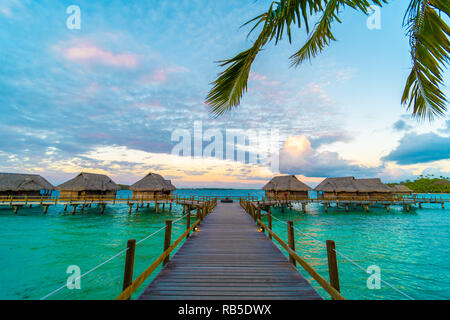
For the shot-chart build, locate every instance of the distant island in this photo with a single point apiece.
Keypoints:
(427, 184)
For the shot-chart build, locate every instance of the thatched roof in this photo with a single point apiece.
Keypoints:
(374, 185)
(153, 182)
(343, 184)
(89, 182)
(23, 182)
(401, 188)
(286, 183)
(170, 186)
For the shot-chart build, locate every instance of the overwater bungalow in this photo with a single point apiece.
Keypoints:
(401, 190)
(152, 186)
(286, 187)
(375, 189)
(87, 185)
(17, 184)
(343, 187)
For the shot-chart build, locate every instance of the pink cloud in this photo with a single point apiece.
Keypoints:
(94, 54)
(161, 75)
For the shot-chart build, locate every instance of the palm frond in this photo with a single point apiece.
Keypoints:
(322, 35)
(430, 49)
(232, 83)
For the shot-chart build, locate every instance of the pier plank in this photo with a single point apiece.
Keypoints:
(229, 259)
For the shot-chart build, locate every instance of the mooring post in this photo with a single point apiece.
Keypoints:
(16, 209)
(332, 265)
(291, 240)
(131, 208)
(129, 264)
(167, 239)
(45, 209)
(102, 208)
(156, 207)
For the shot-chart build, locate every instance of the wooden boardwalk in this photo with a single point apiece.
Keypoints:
(229, 259)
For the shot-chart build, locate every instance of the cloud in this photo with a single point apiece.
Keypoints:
(92, 54)
(7, 6)
(420, 148)
(329, 138)
(401, 125)
(299, 157)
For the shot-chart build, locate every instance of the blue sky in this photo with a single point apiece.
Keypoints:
(106, 98)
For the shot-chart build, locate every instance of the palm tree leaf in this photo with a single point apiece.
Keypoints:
(430, 48)
(322, 35)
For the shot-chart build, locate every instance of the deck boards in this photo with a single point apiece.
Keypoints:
(229, 259)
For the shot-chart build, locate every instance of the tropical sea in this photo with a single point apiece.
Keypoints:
(411, 249)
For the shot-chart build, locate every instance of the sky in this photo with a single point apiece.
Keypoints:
(121, 94)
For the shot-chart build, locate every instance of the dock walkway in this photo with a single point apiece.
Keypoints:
(229, 259)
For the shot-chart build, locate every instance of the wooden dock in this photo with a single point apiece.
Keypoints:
(229, 259)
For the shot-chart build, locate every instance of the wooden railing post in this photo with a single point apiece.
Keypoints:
(129, 264)
(199, 214)
(291, 240)
(188, 222)
(269, 217)
(332, 265)
(167, 239)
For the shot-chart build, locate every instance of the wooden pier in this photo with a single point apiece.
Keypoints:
(229, 259)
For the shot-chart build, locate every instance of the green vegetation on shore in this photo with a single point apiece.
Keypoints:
(427, 184)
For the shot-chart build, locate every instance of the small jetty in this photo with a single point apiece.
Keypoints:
(229, 259)
(230, 255)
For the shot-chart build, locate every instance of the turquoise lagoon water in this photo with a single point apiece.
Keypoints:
(411, 249)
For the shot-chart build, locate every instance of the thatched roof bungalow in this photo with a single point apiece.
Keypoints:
(17, 184)
(88, 185)
(343, 187)
(400, 189)
(282, 187)
(375, 188)
(332, 188)
(152, 186)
